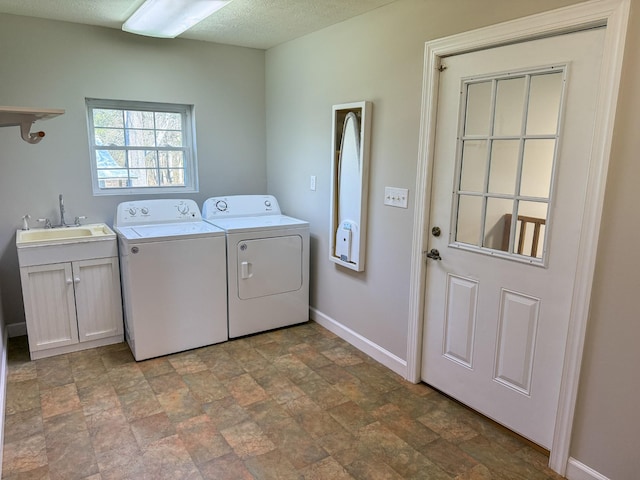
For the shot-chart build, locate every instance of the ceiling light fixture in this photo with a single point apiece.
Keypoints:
(169, 18)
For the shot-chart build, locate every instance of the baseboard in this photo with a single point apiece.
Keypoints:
(363, 344)
(16, 329)
(579, 471)
(3, 390)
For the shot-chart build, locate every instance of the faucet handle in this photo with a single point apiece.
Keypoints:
(77, 219)
(46, 221)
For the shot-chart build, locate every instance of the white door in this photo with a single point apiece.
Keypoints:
(510, 173)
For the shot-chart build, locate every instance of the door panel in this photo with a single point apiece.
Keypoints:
(497, 304)
(269, 266)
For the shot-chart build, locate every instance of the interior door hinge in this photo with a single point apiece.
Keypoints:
(442, 68)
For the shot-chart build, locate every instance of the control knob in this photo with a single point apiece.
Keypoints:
(144, 210)
(132, 211)
(183, 209)
(221, 205)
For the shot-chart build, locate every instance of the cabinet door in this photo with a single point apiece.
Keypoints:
(98, 302)
(49, 306)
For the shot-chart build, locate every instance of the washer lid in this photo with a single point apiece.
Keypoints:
(169, 231)
(264, 222)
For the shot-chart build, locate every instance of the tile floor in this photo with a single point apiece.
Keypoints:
(297, 403)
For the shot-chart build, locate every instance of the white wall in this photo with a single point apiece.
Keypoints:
(50, 64)
(378, 57)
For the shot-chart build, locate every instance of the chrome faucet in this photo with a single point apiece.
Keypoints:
(61, 202)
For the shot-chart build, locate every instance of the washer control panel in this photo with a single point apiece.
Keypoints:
(240, 206)
(142, 212)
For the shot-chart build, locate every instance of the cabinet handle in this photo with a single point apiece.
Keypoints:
(69, 281)
(76, 280)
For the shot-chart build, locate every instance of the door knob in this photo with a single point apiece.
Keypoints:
(435, 231)
(434, 254)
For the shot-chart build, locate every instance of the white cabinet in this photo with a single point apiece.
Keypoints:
(72, 305)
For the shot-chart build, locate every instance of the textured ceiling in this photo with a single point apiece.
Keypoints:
(248, 23)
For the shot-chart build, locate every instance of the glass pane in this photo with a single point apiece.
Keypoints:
(509, 106)
(497, 223)
(168, 138)
(171, 159)
(474, 165)
(168, 121)
(107, 118)
(172, 177)
(478, 109)
(144, 178)
(537, 167)
(140, 138)
(136, 119)
(530, 230)
(109, 136)
(544, 104)
(504, 166)
(469, 219)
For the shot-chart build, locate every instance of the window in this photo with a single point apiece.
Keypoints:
(507, 151)
(139, 147)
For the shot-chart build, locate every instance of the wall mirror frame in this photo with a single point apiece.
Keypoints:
(350, 146)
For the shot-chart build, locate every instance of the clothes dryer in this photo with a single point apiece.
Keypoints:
(173, 267)
(267, 262)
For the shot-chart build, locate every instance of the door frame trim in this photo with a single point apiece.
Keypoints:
(612, 13)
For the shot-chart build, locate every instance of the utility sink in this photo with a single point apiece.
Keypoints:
(40, 246)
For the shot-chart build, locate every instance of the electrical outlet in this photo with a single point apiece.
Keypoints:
(396, 197)
(312, 183)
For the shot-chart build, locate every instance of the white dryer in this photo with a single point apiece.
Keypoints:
(173, 268)
(267, 262)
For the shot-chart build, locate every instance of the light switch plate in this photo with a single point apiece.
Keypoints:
(396, 197)
(312, 183)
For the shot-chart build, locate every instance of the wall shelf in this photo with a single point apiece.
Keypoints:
(24, 117)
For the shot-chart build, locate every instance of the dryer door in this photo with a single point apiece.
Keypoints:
(269, 266)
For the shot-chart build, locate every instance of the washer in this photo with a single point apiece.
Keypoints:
(267, 262)
(173, 267)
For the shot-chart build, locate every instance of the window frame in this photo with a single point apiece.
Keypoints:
(542, 261)
(188, 148)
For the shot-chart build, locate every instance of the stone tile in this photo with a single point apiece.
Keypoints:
(327, 468)
(21, 425)
(499, 459)
(202, 440)
(122, 463)
(310, 356)
(24, 455)
(40, 473)
(126, 377)
(371, 468)
(351, 416)
(221, 364)
(114, 358)
(149, 429)
(404, 426)
(272, 465)
(155, 367)
(109, 429)
(225, 468)
(98, 398)
(247, 439)
(167, 383)
(449, 427)
(322, 393)
(342, 357)
(168, 459)
(140, 403)
(294, 369)
(187, 362)
(225, 413)
(277, 386)
(22, 372)
(54, 372)
(245, 355)
(57, 400)
(245, 390)
(22, 396)
(86, 369)
(299, 446)
(180, 405)
(449, 457)
(378, 377)
(205, 386)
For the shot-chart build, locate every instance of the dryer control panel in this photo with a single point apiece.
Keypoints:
(142, 212)
(240, 206)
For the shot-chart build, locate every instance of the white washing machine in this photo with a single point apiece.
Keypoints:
(173, 268)
(267, 262)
